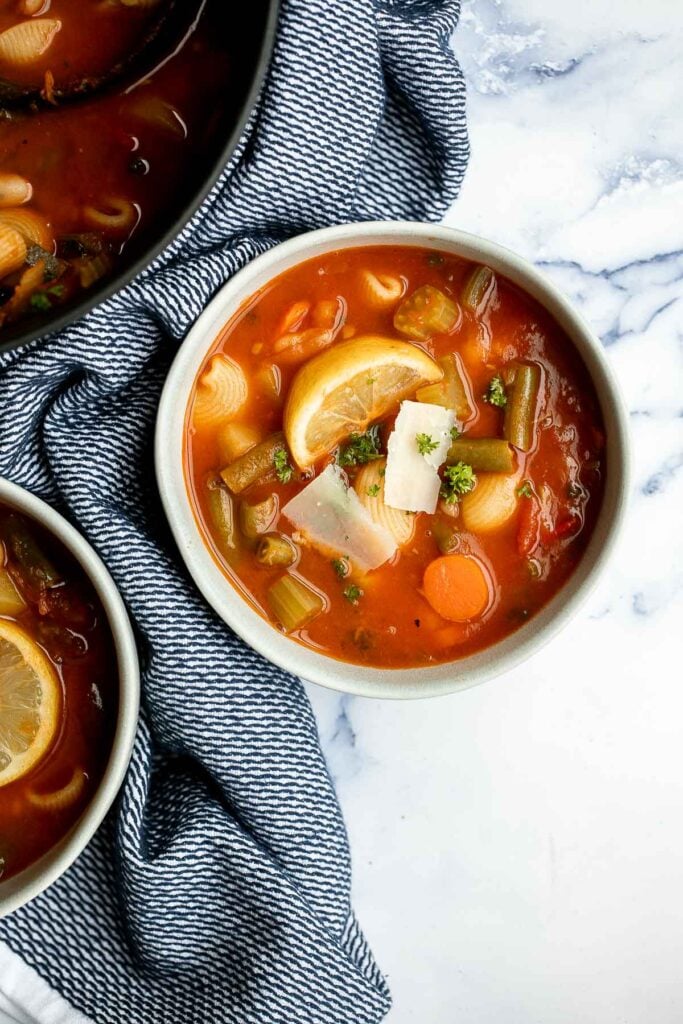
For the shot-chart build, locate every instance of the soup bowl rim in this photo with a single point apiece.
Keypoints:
(285, 652)
(19, 889)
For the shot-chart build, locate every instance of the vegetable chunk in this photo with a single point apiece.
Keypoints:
(258, 463)
(428, 311)
(293, 602)
(483, 454)
(520, 413)
(457, 587)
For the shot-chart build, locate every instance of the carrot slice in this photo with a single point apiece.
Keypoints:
(457, 587)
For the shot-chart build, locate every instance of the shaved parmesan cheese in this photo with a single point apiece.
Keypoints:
(330, 516)
(412, 479)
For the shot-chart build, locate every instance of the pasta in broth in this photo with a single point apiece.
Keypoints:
(411, 464)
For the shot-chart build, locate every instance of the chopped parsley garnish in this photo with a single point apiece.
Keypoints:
(370, 381)
(41, 302)
(283, 470)
(424, 443)
(373, 490)
(353, 593)
(341, 567)
(524, 490)
(495, 393)
(455, 433)
(458, 479)
(361, 448)
(57, 290)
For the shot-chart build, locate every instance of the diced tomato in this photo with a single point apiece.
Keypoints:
(294, 348)
(529, 526)
(294, 317)
(567, 526)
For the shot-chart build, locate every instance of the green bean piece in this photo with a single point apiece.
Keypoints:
(293, 602)
(520, 411)
(257, 464)
(508, 373)
(478, 291)
(483, 454)
(445, 535)
(35, 568)
(274, 549)
(425, 313)
(451, 391)
(222, 514)
(257, 519)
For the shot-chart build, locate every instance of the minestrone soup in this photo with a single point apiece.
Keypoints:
(111, 114)
(58, 691)
(395, 455)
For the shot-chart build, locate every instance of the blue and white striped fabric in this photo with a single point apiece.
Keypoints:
(218, 890)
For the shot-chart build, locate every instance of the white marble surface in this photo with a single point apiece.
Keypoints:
(518, 848)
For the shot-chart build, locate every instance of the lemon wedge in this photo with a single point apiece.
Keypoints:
(341, 391)
(30, 703)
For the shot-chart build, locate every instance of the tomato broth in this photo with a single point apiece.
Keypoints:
(514, 561)
(52, 621)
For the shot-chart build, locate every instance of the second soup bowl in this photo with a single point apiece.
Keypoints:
(79, 670)
(471, 561)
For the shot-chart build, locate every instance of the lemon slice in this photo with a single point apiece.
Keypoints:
(347, 386)
(30, 703)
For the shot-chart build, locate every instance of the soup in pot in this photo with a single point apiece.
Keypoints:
(112, 113)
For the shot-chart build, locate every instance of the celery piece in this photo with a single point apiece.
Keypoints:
(293, 602)
(426, 312)
(478, 291)
(483, 454)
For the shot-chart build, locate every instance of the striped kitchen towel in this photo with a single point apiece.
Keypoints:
(218, 889)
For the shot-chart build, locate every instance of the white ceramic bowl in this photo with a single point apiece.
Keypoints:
(373, 682)
(19, 889)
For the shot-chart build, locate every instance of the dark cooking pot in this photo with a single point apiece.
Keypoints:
(253, 31)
